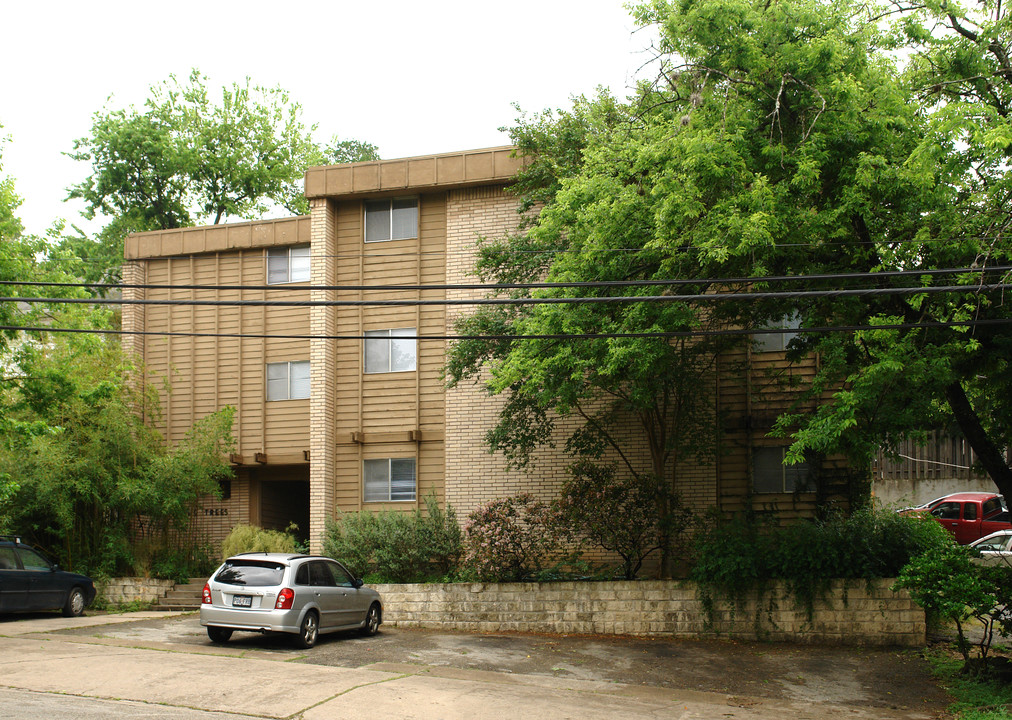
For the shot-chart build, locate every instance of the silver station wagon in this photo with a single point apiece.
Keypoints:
(280, 592)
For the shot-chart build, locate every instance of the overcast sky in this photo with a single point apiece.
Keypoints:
(413, 78)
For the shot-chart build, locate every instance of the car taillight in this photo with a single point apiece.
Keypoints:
(206, 595)
(285, 599)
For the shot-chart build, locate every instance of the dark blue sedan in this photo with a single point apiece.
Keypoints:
(28, 581)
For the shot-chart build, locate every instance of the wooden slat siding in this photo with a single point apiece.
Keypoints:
(226, 371)
(750, 403)
(389, 402)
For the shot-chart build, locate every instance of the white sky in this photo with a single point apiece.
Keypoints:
(413, 78)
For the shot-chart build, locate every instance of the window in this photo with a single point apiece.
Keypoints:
(7, 559)
(946, 511)
(390, 350)
(771, 475)
(778, 341)
(389, 479)
(319, 575)
(288, 265)
(251, 573)
(31, 560)
(288, 380)
(341, 576)
(395, 219)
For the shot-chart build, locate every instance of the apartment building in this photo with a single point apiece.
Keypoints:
(340, 400)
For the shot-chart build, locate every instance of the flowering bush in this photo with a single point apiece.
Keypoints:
(510, 539)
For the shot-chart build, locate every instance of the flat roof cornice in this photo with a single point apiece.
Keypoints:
(488, 166)
(226, 237)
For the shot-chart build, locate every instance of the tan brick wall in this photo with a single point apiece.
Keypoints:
(323, 361)
(473, 475)
(852, 615)
(133, 315)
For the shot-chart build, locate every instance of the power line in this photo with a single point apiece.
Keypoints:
(523, 286)
(694, 298)
(548, 336)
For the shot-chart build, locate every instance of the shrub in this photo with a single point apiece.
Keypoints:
(250, 538)
(397, 547)
(182, 563)
(737, 559)
(632, 517)
(510, 539)
(946, 582)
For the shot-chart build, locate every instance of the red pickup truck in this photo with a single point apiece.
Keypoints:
(968, 515)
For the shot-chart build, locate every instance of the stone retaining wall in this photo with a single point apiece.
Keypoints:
(853, 614)
(118, 591)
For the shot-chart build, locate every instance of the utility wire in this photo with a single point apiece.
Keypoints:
(548, 336)
(694, 298)
(524, 286)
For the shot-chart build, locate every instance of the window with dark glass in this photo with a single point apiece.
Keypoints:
(251, 573)
(391, 219)
(770, 474)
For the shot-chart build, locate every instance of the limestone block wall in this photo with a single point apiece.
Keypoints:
(853, 614)
(119, 591)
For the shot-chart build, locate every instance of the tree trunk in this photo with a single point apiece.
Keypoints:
(991, 457)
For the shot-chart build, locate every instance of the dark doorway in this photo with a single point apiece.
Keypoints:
(283, 503)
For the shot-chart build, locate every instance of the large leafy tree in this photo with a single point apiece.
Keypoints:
(99, 489)
(190, 156)
(779, 140)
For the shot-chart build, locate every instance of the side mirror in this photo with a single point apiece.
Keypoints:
(357, 582)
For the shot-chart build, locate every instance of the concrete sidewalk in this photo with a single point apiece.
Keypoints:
(32, 659)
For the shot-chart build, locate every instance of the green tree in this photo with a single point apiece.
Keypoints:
(339, 151)
(187, 156)
(99, 490)
(777, 140)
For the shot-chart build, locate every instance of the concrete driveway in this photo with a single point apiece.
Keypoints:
(166, 659)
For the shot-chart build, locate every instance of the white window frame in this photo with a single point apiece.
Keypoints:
(380, 486)
(791, 477)
(283, 386)
(778, 341)
(296, 260)
(399, 210)
(387, 341)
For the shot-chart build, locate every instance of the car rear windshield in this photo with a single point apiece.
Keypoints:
(253, 573)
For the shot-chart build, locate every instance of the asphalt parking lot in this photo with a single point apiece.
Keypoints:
(859, 678)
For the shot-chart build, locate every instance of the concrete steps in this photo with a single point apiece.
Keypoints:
(183, 596)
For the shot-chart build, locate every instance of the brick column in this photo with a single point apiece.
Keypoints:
(133, 315)
(323, 369)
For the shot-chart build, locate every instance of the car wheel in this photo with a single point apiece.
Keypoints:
(372, 620)
(75, 603)
(309, 631)
(219, 634)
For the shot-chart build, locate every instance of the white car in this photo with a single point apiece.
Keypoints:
(996, 548)
(281, 592)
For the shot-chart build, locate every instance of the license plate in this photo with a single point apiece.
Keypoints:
(242, 601)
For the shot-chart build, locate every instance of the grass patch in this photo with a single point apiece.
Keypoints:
(975, 699)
